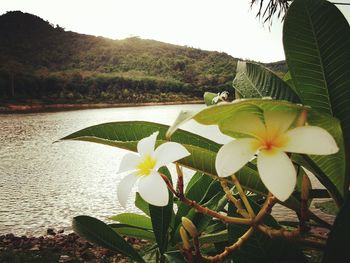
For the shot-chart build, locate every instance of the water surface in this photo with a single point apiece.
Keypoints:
(45, 184)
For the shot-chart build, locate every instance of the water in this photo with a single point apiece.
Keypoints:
(45, 184)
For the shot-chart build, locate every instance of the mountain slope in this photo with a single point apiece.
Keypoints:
(44, 62)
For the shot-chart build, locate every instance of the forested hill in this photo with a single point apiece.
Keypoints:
(40, 61)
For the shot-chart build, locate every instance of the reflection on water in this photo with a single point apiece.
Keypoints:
(44, 184)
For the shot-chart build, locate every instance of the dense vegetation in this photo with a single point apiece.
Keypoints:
(40, 61)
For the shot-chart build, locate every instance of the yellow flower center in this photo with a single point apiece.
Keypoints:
(271, 143)
(146, 165)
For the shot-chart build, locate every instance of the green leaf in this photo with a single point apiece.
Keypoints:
(331, 166)
(125, 135)
(217, 113)
(183, 117)
(142, 204)
(161, 218)
(132, 231)
(288, 79)
(195, 191)
(208, 98)
(316, 39)
(174, 257)
(97, 232)
(256, 81)
(133, 220)
(221, 236)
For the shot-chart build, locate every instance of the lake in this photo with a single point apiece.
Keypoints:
(45, 184)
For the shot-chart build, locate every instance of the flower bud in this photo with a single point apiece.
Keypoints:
(184, 237)
(305, 187)
(189, 226)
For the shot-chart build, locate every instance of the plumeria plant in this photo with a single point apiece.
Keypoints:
(283, 131)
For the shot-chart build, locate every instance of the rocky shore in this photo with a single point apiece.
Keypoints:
(57, 247)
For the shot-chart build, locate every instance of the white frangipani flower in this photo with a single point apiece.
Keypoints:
(144, 166)
(270, 139)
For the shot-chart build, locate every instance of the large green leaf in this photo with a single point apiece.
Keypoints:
(133, 220)
(126, 135)
(256, 81)
(142, 204)
(161, 218)
(132, 231)
(130, 132)
(316, 39)
(101, 234)
(331, 166)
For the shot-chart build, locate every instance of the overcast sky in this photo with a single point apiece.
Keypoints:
(222, 25)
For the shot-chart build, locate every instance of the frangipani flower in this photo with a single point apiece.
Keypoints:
(270, 139)
(220, 97)
(144, 166)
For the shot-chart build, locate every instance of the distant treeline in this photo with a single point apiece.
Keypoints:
(44, 62)
(82, 87)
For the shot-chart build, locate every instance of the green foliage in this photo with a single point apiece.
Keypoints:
(255, 81)
(208, 98)
(320, 70)
(133, 220)
(161, 218)
(66, 66)
(101, 234)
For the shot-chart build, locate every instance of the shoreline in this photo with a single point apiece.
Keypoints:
(58, 247)
(11, 108)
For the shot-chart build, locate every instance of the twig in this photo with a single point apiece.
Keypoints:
(205, 210)
(243, 196)
(237, 245)
(231, 198)
(265, 209)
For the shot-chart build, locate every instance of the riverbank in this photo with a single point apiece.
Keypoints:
(29, 108)
(58, 247)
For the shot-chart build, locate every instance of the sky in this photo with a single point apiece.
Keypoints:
(229, 26)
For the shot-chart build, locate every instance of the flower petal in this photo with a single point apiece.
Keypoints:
(146, 145)
(244, 123)
(153, 189)
(277, 173)
(234, 155)
(310, 140)
(169, 152)
(125, 187)
(129, 162)
(278, 122)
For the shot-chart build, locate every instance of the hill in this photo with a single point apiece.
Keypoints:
(43, 62)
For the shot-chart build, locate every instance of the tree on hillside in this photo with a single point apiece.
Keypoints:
(12, 69)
